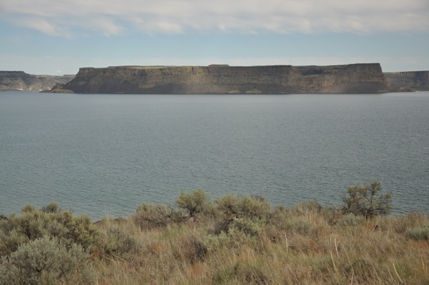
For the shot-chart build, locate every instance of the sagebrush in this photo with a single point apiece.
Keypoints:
(231, 240)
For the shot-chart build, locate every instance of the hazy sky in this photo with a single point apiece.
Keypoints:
(59, 36)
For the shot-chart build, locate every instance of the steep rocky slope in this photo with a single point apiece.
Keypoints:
(21, 81)
(409, 80)
(223, 79)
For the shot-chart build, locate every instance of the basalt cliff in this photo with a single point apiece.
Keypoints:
(409, 80)
(21, 81)
(224, 79)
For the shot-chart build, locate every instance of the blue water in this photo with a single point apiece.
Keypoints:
(105, 154)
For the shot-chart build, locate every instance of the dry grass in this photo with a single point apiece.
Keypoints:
(300, 247)
(240, 241)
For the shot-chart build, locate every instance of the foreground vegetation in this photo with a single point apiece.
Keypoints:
(232, 240)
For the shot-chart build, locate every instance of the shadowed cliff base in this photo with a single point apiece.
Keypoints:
(224, 79)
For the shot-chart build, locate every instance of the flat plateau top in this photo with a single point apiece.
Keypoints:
(226, 65)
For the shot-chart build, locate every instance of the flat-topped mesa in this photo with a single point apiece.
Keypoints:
(224, 79)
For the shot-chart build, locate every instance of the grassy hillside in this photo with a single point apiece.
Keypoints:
(232, 240)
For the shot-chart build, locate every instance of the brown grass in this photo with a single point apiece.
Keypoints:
(241, 241)
(303, 248)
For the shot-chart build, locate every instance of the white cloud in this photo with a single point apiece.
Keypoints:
(106, 26)
(112, 17)
(41, 25)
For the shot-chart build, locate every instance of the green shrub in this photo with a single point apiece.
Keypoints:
(278, 216)
(366, 201)
(49, 221)
(350, 220)
(80, 230)
(236, 233)
(120, 244)
(193, 202)
(210, 211)
(241, 213)
(46, 261)
(214, 242)
(247, 226)
(298, 226)
(234, 238)
(254, 207)
(51, 208)
(289, 220)
(150, 216)
(228, 205)
(420, 233)
(251, 207)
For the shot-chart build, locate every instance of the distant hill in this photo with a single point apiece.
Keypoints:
(21, 81)
(224, 79)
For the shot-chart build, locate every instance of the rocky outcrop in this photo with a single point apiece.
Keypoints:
(21, 81)
(409, 80)
(224, 79)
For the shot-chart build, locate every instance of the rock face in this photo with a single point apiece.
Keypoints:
(224, 79)
(21, 81)
(409, 81)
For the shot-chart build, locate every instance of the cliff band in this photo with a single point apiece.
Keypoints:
(408, 80)
(224, 79)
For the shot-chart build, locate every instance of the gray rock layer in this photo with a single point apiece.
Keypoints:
(224, 79)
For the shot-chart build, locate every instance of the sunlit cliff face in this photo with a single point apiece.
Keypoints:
(353, 78)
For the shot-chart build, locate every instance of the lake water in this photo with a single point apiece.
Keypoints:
(105, 154)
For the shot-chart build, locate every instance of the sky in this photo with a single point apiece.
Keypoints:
(59, 36)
